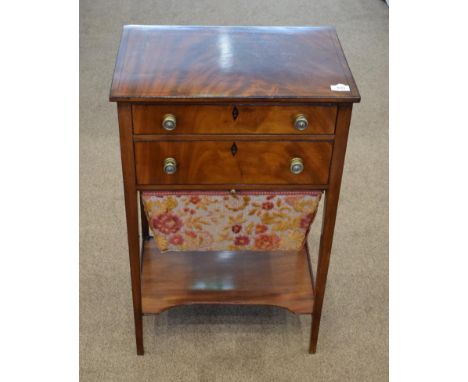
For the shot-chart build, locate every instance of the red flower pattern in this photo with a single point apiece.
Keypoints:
(176, 240)
(261, 228)
(241, 240)
(236, 228)
(267, 205)
(167, 223)
(199, 221)
(192, 234)
(195, 199)
(267, 241)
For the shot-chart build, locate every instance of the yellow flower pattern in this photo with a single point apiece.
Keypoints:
(214, 221)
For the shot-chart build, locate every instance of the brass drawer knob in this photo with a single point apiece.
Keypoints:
(169, 122)
(170, 166)
(301, 122)
(297, 166)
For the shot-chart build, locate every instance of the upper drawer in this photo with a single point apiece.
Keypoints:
(234, 119)
(227, 162)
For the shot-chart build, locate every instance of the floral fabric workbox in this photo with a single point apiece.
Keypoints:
(246, 220)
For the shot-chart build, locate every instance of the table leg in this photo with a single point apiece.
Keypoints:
(131, 209)
(326, 240)
(329, 217)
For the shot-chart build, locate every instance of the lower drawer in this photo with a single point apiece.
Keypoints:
(228, 162)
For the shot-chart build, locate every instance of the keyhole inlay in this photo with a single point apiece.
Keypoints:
(235, 113)
(234, 149)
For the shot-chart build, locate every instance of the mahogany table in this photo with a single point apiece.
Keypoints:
(230, 108)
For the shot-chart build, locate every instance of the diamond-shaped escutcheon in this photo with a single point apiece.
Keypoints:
(234, 149)
(235, 113)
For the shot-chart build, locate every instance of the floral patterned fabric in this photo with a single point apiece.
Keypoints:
(247, 220)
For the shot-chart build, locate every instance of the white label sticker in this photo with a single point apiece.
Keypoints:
(340, 88)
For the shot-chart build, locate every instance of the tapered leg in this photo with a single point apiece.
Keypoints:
(131, 209)
(326, 239)
(329, 217)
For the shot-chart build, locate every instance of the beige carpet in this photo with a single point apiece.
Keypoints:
(234, 343)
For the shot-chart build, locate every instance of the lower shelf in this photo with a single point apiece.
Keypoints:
(279, 278)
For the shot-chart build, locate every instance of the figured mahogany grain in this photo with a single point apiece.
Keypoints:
(219, 119)
(280, 278)
(227, 85)
(207, 63)
(212, 162)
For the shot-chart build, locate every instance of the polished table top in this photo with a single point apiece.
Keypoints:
(216, 63)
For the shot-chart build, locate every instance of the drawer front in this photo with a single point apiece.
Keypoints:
(233, 119)
(218, 162)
